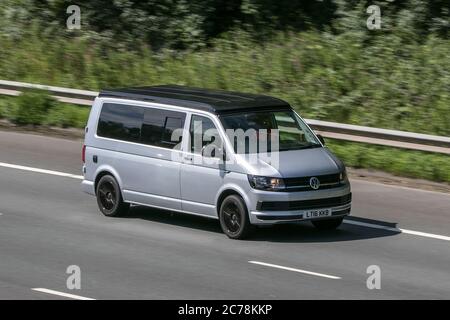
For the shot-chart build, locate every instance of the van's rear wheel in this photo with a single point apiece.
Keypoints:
(233, 217)
(327, 224)
(109, 197)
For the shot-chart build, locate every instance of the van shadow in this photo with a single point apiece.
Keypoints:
(302, 232)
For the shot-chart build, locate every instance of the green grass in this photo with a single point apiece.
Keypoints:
(8, 107)
(67, 115)
(387, 81)
(390, 81)
(41, 109)
(401, 162)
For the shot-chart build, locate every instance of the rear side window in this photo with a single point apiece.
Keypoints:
(121, 122)
(159, 125)
(142, 125)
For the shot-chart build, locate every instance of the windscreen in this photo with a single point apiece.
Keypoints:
(268, 131)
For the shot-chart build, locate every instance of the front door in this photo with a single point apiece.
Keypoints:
(201, 173)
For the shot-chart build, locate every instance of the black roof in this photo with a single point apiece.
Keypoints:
(216, 101)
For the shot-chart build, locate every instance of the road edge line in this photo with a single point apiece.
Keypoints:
(44, 171)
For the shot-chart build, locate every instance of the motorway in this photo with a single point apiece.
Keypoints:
(48, 224)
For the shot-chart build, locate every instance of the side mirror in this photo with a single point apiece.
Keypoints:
(321, 139)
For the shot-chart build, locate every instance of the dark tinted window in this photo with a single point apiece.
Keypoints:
(120, 122)
(293, 133)
(203, 132)
(137, 124)
(159, 126)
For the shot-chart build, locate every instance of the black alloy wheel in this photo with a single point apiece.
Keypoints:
(233, 217)
(109, 197)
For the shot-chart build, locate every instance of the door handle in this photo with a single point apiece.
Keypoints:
(187, 158)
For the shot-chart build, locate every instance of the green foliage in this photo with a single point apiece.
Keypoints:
(386, 81)
(51, 112)
(8, 107)
(317, 55)
(402, 162)
(66, 116)
(33, 107)
(182, 24)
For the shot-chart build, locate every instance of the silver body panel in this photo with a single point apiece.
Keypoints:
(177, 180)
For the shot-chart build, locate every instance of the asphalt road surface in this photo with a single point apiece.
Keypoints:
(48, 224)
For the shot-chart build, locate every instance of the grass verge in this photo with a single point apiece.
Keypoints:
(39, 109)
(401, 162)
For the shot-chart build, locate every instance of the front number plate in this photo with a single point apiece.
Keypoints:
(318, 213)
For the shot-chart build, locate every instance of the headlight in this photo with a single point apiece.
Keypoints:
(266, 183)
(343, 176)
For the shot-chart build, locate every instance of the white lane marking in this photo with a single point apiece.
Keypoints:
(44, 171)
(295, 270)
(412, 232)
(61, 294)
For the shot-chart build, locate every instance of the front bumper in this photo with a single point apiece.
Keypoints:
(273, 207)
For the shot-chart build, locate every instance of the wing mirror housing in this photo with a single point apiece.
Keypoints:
(321, 139)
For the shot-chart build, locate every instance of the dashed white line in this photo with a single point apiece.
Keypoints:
(406, 231)
(295, 270)
(61, 294)
(44, 171)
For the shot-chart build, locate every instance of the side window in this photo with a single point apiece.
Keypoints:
(159, 126)
(172, 124)
(137, 124)
(120, 122)
(203, 132)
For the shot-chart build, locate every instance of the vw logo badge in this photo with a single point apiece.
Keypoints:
(314, 183)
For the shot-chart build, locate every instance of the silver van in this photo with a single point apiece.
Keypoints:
(241, 158)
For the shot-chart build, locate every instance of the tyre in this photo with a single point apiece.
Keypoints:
(327, 224)
(233, 218)
(109, 197)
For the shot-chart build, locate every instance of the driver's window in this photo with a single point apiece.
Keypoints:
(203, 135)
(289, 131)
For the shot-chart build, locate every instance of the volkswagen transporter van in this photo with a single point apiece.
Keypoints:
(243, 159)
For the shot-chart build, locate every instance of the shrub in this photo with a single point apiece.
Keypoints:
(66, 115)
(8, 107)
(33, 107)
(402, 162)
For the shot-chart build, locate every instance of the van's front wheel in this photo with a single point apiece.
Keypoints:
(109, 197)
(233, 217)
